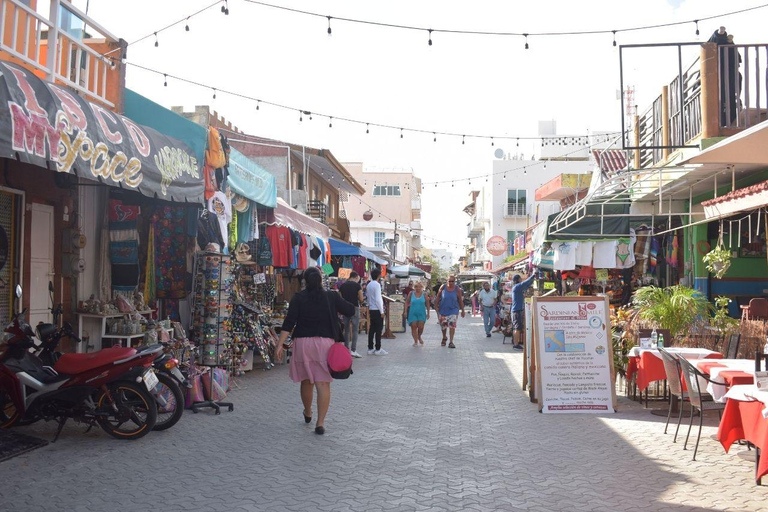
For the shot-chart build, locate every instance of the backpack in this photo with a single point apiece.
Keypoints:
(339, 357)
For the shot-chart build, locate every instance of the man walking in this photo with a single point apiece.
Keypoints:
(376, 313)
(448, 303)
(352, 292)
(487, 299)
(518, 302)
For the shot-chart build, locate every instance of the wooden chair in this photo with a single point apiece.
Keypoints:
(757, 309)
(364, 320)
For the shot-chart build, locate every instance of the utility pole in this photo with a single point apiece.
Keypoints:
(394, 243)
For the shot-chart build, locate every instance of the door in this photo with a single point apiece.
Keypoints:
(41, 263)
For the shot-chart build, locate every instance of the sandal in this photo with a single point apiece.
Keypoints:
(443, 343)
(451, 345)
(415, 344)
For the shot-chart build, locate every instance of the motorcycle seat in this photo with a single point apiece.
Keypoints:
(72, 364)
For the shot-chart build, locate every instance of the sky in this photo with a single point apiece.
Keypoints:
(462, 83)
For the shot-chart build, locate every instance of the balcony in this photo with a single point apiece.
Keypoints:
(55, 49)
(721, 93)
(317, 210)
(512, 210)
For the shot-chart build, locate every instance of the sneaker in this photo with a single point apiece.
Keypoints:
(355, 354)
(487, 335)
(381, 352)
(518, 347)
(370, 352)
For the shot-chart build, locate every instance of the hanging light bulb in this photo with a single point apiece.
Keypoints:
(525, 170)
(526, 40)
(518, 142)
(504, 177)
(366, 128)
(186, 27)
(165, 80)
(434, 135)
(451, 184)
(614, 37)
(462, 139)
(329, 25)
(697, 26)
(401, 133)
(430, 37)
(492, 141)
(214, 93)
(545, 165)
(156, 42)
(330, 122)
(258, 102)
(225, 8)
(300, 116)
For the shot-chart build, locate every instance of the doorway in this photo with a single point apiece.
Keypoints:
(41, 262)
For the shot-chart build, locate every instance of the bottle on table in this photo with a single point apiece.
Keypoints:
(654, 338)
(661, 341)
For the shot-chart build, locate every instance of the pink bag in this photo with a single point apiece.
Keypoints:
(213, 389)
(339, 361)
(194, 393)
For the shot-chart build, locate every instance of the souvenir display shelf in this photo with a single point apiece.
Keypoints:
(211, 287)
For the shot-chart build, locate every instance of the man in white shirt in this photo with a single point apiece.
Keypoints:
(375, 313)
(487, 299)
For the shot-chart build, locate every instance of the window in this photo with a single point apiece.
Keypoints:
(516, 202)
(378, 239)
(386, 190)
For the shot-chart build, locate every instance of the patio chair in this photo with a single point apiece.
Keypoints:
(701, 401)
(757, 309)
(674, 381)
(731, 352)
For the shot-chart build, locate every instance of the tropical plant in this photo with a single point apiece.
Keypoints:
(722, 321)
(718, 261)
(676, 308)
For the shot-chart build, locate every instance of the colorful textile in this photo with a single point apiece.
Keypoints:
(124, 252)
(170, 252)
(280, 240)
(119, 212)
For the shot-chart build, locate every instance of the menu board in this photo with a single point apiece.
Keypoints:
(573, 355)
(396, 310)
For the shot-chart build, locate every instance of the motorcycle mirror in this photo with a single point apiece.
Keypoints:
(18, 291)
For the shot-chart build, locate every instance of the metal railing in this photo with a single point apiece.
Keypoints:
(40, 43)
(317, 210)
(649, 129)
(685, 123)
(515, 210)
(743, 85)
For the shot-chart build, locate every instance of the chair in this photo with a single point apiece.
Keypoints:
(757, 309)
(732, 349)
(701, 401)
(364, 320)
(674, 380)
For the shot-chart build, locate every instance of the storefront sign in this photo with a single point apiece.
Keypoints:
(248, 179)
(49, 126)
(496, 245)
(574, 354)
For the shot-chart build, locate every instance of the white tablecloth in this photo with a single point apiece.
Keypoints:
(719, 390)
(686, 352)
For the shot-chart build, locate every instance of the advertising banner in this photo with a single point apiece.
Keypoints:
(574, 356)
(51, 127)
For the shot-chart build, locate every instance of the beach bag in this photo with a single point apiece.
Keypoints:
(194, 392)
(339, 357)
(214, 391)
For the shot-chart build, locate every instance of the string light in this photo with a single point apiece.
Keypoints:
(462, 139)
(434, 135)
(366, 128)
(526, 40)
(614, 37)
(165, 80)
(330, 122)
(214, 93)
(329, 25)
(401, 133)
(258, 102)
(697, 26)
(156, 41)
(186, 27)
(225, 8)
(491, 141)
(430, 37)
(300, 116)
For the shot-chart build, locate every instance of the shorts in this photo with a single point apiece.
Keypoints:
(517, 320)
(448, 321)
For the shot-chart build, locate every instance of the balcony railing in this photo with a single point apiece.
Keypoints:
(33, 40)
(723, 91)
(317, 210)
(515, 210)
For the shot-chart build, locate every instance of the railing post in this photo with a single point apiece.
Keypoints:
(637, 141)
(53, 40)
(665, 122)
(710, 91)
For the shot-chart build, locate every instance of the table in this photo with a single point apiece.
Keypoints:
(649, 367)
(130, 337)
(104, 318)
(726, 373)
(743, 419)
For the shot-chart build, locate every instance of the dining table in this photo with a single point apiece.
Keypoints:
(745, 417)
(725, 373)
(646, 365)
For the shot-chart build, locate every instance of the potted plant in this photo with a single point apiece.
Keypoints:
(718, 260)
(676, 308)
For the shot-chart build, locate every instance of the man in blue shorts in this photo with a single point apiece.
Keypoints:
(518, 303)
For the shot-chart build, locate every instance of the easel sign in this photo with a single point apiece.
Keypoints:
(574, 355)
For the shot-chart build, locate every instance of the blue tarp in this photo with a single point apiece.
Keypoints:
(339, 248)
(250, 180)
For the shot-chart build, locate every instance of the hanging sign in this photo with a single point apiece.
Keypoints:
(344, 273)
(48, 126)
(601, 274)
(327, 269)
(574, 355)
(496, 245)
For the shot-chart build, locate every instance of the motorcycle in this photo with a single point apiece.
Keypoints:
(94, 389)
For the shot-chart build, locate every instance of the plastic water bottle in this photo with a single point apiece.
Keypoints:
(654, 338)
(661, 341)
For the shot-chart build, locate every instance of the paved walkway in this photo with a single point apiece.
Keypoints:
(427, 429)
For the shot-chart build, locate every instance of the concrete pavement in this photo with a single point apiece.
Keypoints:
(427, 428)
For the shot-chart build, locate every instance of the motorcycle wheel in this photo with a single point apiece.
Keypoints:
(170, 414)
(8, 412)
(136, 412)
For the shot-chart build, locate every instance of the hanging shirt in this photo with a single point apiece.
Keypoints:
(280, 240)
(584, 253)
(604, 254)
(220, 206)
(625, 251)
(565, 255)
(302, 252)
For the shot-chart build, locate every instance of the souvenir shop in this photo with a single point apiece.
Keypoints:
(348, 258)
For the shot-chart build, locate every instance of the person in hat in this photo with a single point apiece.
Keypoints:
(518, 303)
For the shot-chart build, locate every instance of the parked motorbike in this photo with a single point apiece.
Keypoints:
(94, 389)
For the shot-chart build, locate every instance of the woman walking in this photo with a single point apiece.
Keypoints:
(312, 319)
(417, 312)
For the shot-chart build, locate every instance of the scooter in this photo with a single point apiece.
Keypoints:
(94, 389)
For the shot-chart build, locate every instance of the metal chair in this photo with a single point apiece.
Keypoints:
(733, 346)
(701, 401)
(674, 381)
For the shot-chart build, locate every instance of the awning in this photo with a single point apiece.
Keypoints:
(406, 271)
(250, 180)
(737, 201)
(284, 215)
(339, 248)
(596, 219)
(747, 147)
(48, 126)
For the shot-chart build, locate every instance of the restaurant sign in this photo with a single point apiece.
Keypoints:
(51, 127)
